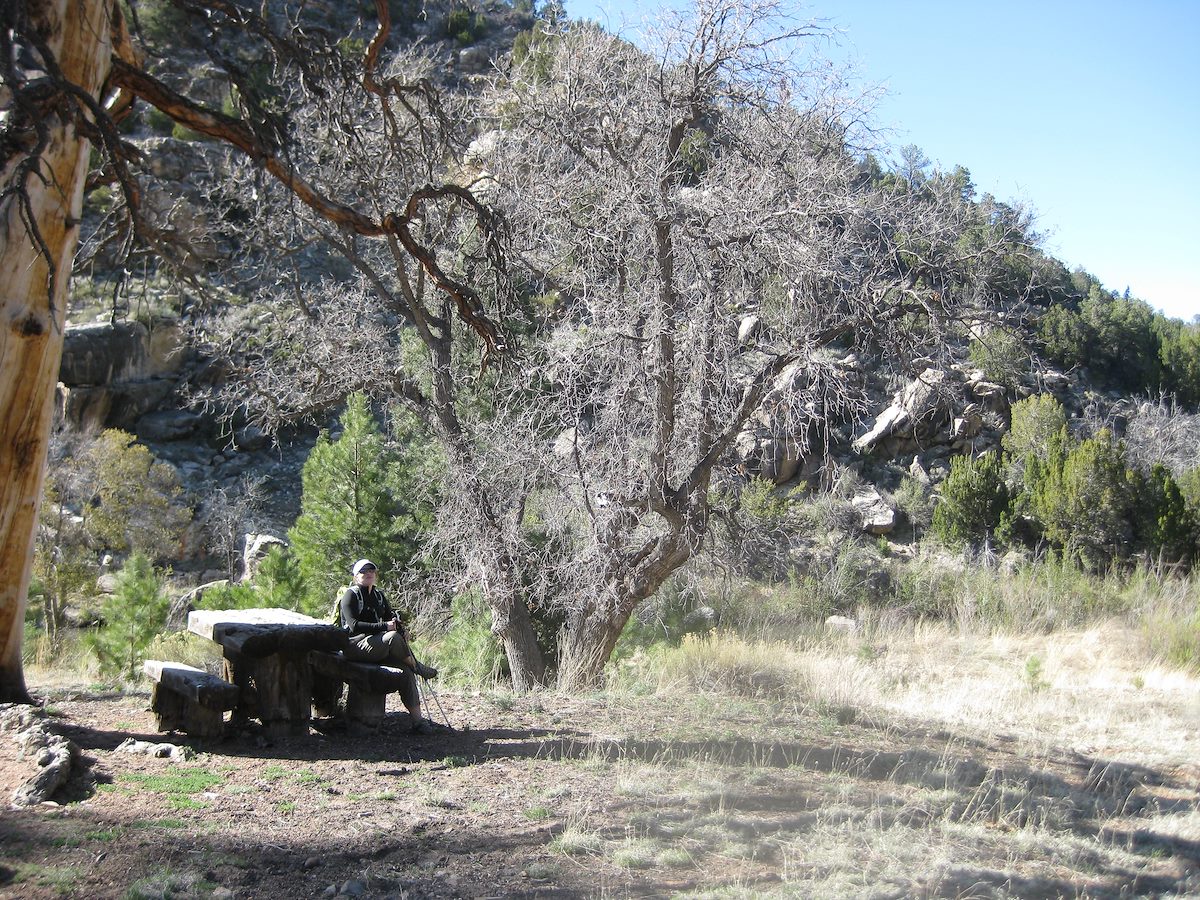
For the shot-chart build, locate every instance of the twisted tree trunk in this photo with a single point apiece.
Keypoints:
(38, 237)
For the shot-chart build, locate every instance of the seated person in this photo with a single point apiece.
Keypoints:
(377, 635)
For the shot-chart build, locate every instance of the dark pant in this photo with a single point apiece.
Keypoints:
(389, 649)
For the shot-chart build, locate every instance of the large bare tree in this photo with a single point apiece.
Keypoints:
(666, 198)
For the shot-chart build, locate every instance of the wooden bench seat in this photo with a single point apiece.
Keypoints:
(188, 699)
(368, 686)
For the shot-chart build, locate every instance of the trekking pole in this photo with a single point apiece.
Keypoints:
(431, 691)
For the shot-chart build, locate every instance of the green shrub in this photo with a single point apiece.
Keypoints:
(533, 54)
(466, 27)
(1037, 422)
(133, 615)
(133, 501)
(974, 496)
(160, 20)
(1165, 523)
(1086, 504)
(915, 499)
(468, 652)
(158, 121)
(1002, 356)
(181, 132)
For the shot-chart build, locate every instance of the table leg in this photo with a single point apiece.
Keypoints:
(277, 689)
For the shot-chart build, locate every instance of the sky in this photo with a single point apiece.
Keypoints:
(1086, 113)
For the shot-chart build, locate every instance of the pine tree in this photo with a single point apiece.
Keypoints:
(355, 504)
(133, 615)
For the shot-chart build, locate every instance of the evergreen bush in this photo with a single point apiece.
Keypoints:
(134, 613)
(974, 497)
(1086, 505)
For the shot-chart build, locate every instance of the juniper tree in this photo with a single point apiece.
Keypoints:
(974, 497)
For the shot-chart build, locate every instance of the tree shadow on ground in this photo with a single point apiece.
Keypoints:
(1097, 800)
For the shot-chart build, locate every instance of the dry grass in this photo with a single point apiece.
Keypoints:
(1060, 763)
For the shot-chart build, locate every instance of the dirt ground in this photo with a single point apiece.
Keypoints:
(548, 796)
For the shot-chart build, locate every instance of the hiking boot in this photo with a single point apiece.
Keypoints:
(422, 726)
(423, 671)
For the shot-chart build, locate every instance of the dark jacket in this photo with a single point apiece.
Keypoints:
(365, 611)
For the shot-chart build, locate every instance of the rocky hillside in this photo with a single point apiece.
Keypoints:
(133, 367)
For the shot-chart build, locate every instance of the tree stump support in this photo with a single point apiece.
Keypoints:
(188, 699)
(368, 684)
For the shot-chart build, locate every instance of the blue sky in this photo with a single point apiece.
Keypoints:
(1086, 112)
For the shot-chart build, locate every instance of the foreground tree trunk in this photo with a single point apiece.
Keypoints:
(36, 251)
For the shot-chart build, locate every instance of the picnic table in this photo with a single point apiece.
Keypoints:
(267, 657)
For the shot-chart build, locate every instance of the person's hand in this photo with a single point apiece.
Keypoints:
(393, 625)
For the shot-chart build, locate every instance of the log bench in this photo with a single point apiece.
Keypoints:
(368, 685)
(188, 699)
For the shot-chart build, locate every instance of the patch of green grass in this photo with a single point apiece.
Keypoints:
(178, 781)
(636, 854)
(307, 777)
(537, 813)
(165, 883)
(674, 858)
(286, 807)
(158, 823)
(385, 796)
(275, 771)
(105, 834)
(540, 871)
(183, 801)
(60, 879)
(575, 841)
(455, 762)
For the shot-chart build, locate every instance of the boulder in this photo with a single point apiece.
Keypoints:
(168, 425)
(915, 413)
(968, 424)
(841, 623)
(108, 353)
(748, 329)
(564, 444)
(257, 547)
(876, 514)
(700, 620)
(781, 442)
(177, 614)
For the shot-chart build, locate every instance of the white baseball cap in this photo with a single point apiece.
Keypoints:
(360, 565)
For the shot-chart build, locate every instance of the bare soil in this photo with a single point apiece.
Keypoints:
(546, 796)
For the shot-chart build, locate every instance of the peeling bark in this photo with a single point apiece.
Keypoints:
(36, 250)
